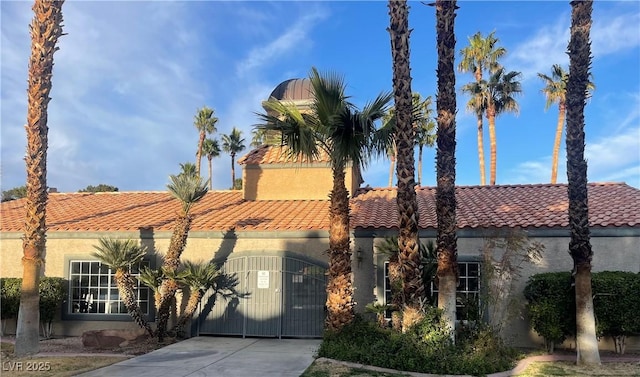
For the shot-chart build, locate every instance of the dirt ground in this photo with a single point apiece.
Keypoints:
(73, 345)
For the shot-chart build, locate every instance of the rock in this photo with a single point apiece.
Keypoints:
(112, 338)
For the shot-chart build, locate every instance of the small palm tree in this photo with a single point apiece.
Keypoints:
(199, 277)
(555, 90)
(482, 54)
(205, 123)
(232, 144)
(335, 126)
(188, 168)
(188, 189)
(46, 28)
(120, 256)
(211, 149)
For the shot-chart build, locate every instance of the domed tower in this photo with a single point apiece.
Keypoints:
(271, 173)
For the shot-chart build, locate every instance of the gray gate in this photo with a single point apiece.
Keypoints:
(283, 296)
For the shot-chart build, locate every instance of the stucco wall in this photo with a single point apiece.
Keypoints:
(291, 182)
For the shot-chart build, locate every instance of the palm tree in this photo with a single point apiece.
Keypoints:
(46, 28)
(120, 256)
(211, 149)
(257, 138)
(580, 246)
(232, 144)
(408, 242)
(199, 277)
(188, 189)
(495, 96)
(333, 125)
(446, 240)
(205, 123)
(481, 54)
(424, 127)
(555, 90)
(188, 168)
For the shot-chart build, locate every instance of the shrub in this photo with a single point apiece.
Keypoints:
(10, 297)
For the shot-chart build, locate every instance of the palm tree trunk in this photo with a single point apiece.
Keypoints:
(408, 243)
(446, 240)
(392, 168)
(126, 286)
(210, 175)
(556, 145)
(340, 311)
(46, 28)
(203, 135)
(491, 117)
(483, 178)
(192, 306)
(420, 148)
(233, 170)
(580, 246)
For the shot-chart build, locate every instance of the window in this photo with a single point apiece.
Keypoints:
(93, 289)
(468, 291)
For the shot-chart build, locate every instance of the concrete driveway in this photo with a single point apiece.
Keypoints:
(217, 356)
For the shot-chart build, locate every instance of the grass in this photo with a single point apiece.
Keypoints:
(62, 366)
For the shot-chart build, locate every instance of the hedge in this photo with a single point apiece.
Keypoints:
(52, 295)
(552, 312)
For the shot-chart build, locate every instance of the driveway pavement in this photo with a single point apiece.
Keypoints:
(218, 356)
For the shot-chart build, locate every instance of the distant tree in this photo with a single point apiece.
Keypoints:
(424, 126)
(237, 184)
(46, 28)
(555, 90)
(14, 193)
(211, 149)
(257, 137)
(188, 168)
(99, 188)
(232, 144)
(205, 122)
(481, 54)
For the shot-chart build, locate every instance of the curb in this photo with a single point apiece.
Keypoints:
(520, 367)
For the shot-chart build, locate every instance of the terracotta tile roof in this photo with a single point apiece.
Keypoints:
(611, 204)
(540, 206)
(275, 154)
(130, 211)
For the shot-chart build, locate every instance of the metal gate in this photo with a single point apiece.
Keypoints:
(278, 296)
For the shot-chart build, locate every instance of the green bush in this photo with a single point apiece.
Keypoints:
(52, 295)
(9, 297)
(425, 348)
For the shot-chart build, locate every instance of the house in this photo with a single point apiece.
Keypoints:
(272, 237)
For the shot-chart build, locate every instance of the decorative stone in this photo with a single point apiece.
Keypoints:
(112, 338)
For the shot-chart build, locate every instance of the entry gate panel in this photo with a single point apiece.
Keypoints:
(279, 296)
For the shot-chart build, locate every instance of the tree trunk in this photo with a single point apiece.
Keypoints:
(580, 245)
(46, 28)
(420, 148)
(491, 117)
(392, 167)
(340, 303)
(126, 285)
(203, 135)
(408, 242)
(446, 239)
(192, 306)
(556, 145)
(210, 175)
(233, 171)
(483, 178)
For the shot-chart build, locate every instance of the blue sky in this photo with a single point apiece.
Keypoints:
(130, 76)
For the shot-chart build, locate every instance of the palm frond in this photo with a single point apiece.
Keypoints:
(200, 275)
(118, 253)
(187, 189)
(151, 278)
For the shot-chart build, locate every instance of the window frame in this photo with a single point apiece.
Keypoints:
(68, 312)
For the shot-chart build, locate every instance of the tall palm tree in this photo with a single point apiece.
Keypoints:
(408, 241)
(232, 144)
(446, 240)
(424, 126)
(332, 125)
(199, 277)
(482, 54)
(555, 90)
(120, 256)
(188, 189)
(211, 149)
(495, 96)
(205, 123)
(580, 246)
(46, 28)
